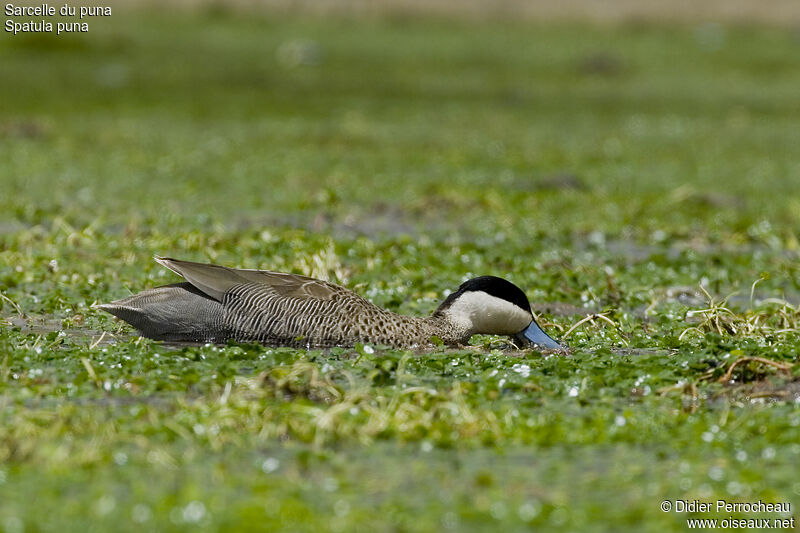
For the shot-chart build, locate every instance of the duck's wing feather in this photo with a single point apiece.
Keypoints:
(217, 281)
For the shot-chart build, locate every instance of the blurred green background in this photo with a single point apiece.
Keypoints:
(637, 160)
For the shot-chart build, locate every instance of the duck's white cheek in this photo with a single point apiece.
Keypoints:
(491, 315)
(511, 320)
(521, 321)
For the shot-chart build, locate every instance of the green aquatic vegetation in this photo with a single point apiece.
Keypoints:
(648, 209)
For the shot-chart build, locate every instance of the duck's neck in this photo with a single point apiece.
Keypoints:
(416, 331)
(449, 331)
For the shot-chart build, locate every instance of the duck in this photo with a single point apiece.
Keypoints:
(218, 304)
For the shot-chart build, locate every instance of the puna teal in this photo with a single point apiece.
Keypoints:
(218, 304)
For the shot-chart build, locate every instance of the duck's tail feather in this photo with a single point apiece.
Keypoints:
(177, 312)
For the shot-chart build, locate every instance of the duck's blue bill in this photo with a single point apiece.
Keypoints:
(533, 334)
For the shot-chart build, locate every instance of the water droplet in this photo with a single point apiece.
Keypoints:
(450, 520)
(141, 513)
(498, 510)
(522, 370)
(105, 505)
(269, 465)
(341, 508)
(734, 488)
(529, 510)
(194, 512)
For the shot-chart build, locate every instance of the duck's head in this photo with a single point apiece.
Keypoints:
(494, 306)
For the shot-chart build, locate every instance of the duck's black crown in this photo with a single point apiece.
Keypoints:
(493, 286)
